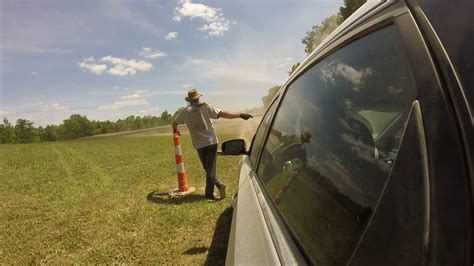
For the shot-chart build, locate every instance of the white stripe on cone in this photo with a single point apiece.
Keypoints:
(177, 150)
(180, 167)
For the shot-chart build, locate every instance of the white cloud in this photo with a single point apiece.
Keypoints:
(149, 53)
(137, 65)
(216, 28)
(192, 10)
(120, 88)
(139, 98)
(201, 62)
(3, 112)
(335, 69)
(52, 106)
(287, 59)
(171, 35)
(92, 67)
(41, 113)
(173, 92)
(117, 66)
(121, 70)
(216, 24)
(151, 111)
(284, 62)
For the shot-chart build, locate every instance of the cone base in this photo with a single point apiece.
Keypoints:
(176, 193)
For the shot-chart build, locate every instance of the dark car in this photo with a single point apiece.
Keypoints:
(365, 155)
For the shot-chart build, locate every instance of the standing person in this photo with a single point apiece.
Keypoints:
(197, 117)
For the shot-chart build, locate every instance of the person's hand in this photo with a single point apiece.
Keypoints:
(245, 116)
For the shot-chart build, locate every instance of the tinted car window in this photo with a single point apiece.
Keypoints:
(260, 135)
(334, 140)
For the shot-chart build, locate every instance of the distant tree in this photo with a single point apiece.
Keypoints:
(51, 133)
(40, 134)
(319, 32)
(138, 123)
(77, 126)
(3, 134)
(177, 112)
(95, 127)
(293, 68)
(156, 121)
(129, 122)
(60, 132)
(118, 125)
(106, 126)
(166, 117)
(24, 131)
(147, 121)
(349, 7)
(151, 121)
(7, 132)
(268, 98)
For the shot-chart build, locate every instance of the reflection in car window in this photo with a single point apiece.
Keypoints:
(333, 142)
(260, 135)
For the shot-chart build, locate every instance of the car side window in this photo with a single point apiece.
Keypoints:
(260, 134)
(334, 140)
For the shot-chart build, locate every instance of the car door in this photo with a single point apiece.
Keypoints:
(362, 162)
(345, 170)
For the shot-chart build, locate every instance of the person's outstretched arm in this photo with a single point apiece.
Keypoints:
(232, 115)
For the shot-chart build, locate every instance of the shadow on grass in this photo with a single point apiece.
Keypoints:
(164, 198)
(195, 251)
(218, 249)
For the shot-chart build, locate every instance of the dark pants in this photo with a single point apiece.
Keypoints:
(208, 156)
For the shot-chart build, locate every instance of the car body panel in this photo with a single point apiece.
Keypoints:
(254, 245)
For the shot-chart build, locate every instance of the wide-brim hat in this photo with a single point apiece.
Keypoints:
(193, 94)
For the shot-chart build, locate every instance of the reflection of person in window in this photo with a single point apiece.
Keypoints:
(290, 151)
(285, 137)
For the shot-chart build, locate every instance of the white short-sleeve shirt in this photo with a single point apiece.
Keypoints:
(198, 120)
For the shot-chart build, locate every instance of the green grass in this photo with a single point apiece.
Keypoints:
(88, 201)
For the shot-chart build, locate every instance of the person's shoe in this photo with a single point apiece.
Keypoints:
(211, 197)
(222, 191)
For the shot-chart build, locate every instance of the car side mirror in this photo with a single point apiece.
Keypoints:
(234, 147)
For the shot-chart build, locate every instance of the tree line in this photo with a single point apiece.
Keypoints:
(76, 126)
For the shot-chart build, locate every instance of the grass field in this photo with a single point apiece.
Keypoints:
(91, 201)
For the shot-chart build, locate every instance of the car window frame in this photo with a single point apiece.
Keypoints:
(341, 45)
(440, 114)
(276, 100)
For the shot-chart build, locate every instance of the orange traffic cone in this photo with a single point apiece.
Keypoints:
(286, 186)
(182, 178)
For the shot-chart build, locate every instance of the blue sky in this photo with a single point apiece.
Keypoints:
(111, 59)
